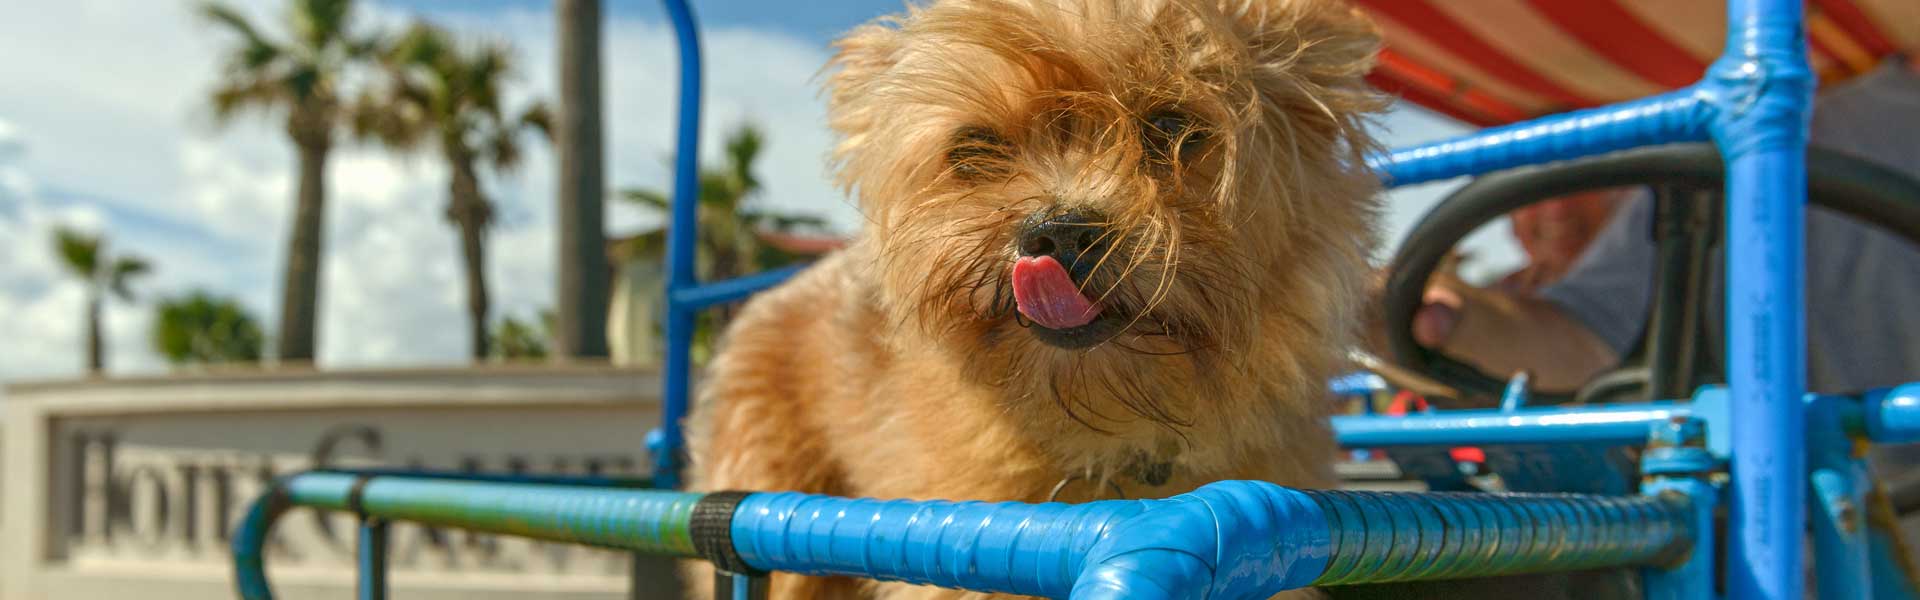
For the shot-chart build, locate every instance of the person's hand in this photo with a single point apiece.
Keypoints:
(1442, 307)
(1438, 316)
(1500, 332)
(1433, 323)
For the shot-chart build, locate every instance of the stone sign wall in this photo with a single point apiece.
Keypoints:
(125, 489)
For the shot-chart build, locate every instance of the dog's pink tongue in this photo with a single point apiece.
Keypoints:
(1044, 293)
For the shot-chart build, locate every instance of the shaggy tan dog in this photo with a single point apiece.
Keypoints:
(1114, 247)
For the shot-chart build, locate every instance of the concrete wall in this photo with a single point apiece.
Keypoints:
(130, 488)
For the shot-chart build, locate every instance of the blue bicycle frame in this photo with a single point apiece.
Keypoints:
(1247, 539)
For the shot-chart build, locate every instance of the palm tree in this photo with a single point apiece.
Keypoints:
(447, 96)
(85, 257)
(581, 325)
(201, 328)
(730, 224)
(517, 339)
(298, 78)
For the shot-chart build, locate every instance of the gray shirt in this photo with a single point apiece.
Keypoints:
(1863, 324)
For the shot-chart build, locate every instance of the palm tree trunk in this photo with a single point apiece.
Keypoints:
(96, 362)
(469, 211)
(580, 329)
(300, 298)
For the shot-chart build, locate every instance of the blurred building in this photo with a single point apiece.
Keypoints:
(131, 488)
(637, 314)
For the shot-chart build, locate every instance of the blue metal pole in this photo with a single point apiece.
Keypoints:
(732, 290)
(250, 540)
(1886, 566)
(1839, 487)
(1515, 396)
(1677, 463)
(373, 559)
(744, 586)
(1762, 89)
(1892, 416)
(681, 234)
(1620, 424)
(1676, 116)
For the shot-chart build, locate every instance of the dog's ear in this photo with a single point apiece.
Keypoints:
(855, 107)
(860, 58)
(1311, 59)
(1329, 43)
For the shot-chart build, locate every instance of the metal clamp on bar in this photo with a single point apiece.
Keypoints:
(1678, 466)
(356, 495)
(711, 527)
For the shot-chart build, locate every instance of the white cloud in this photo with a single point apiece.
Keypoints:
(232, 192)
(40, 306)
(118, 120)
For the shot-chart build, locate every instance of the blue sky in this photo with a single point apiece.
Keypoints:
(103, 126)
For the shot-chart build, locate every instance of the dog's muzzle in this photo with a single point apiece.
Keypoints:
(1059, 251)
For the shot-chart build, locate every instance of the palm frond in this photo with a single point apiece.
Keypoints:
(421, 45)
(320, 23)
(79, 251)
(230, 18)
(743, 147)
(236, 96)
(503, 148)
(394, 125)
(538, 117)
(648, 198)
(485, 71)
(120, 277)
(255, 69)
(304, 81)
(505, 141)
(365, 46)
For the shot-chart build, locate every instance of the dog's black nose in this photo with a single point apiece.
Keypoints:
(1064, 235)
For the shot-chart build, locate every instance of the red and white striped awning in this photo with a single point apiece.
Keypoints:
(1489, 62)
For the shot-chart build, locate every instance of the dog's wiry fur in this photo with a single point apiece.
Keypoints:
(1234, 258)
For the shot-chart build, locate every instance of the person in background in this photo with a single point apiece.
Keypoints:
(1554, 233)
(1861, 327)
(1863, 331)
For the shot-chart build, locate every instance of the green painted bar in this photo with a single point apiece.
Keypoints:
(650, 521)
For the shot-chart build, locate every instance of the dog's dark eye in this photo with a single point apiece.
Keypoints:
(1170, 134)
(977, 153)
